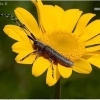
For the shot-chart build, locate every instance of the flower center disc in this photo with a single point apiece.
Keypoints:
(65, 43)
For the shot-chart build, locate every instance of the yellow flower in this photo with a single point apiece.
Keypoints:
(68, 32)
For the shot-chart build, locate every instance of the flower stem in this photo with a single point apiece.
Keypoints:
(57, 90)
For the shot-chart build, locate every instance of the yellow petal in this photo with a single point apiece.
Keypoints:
(65, 71)
(28, 20)
(82, 66)
(39, 6)
(27, 60)
(95, 60)
(90, 54)
(47, 18)
(83, 21)
(92, 48)
(96, 52)
(68, 21)
(87, 56)
(74, 21)
(39, 66)
(91, 30)
(58, 13)
(15, 32)
(45, 15)
(51, 80)
(95, 40)
(19, 47)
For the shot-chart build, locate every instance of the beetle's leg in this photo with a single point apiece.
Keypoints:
(28, 55)
(52, 67)
(38, 54)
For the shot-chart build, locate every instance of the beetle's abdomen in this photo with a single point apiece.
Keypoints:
(50, 52)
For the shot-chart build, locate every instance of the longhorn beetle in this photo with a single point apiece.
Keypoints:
(42, 49)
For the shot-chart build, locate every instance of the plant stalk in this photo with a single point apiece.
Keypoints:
(57, 90)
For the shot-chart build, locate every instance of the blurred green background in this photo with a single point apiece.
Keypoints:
(17, 81)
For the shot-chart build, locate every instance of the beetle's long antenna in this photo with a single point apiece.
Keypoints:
(14, 19)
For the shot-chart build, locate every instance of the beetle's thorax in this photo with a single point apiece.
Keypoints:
(39, 45)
